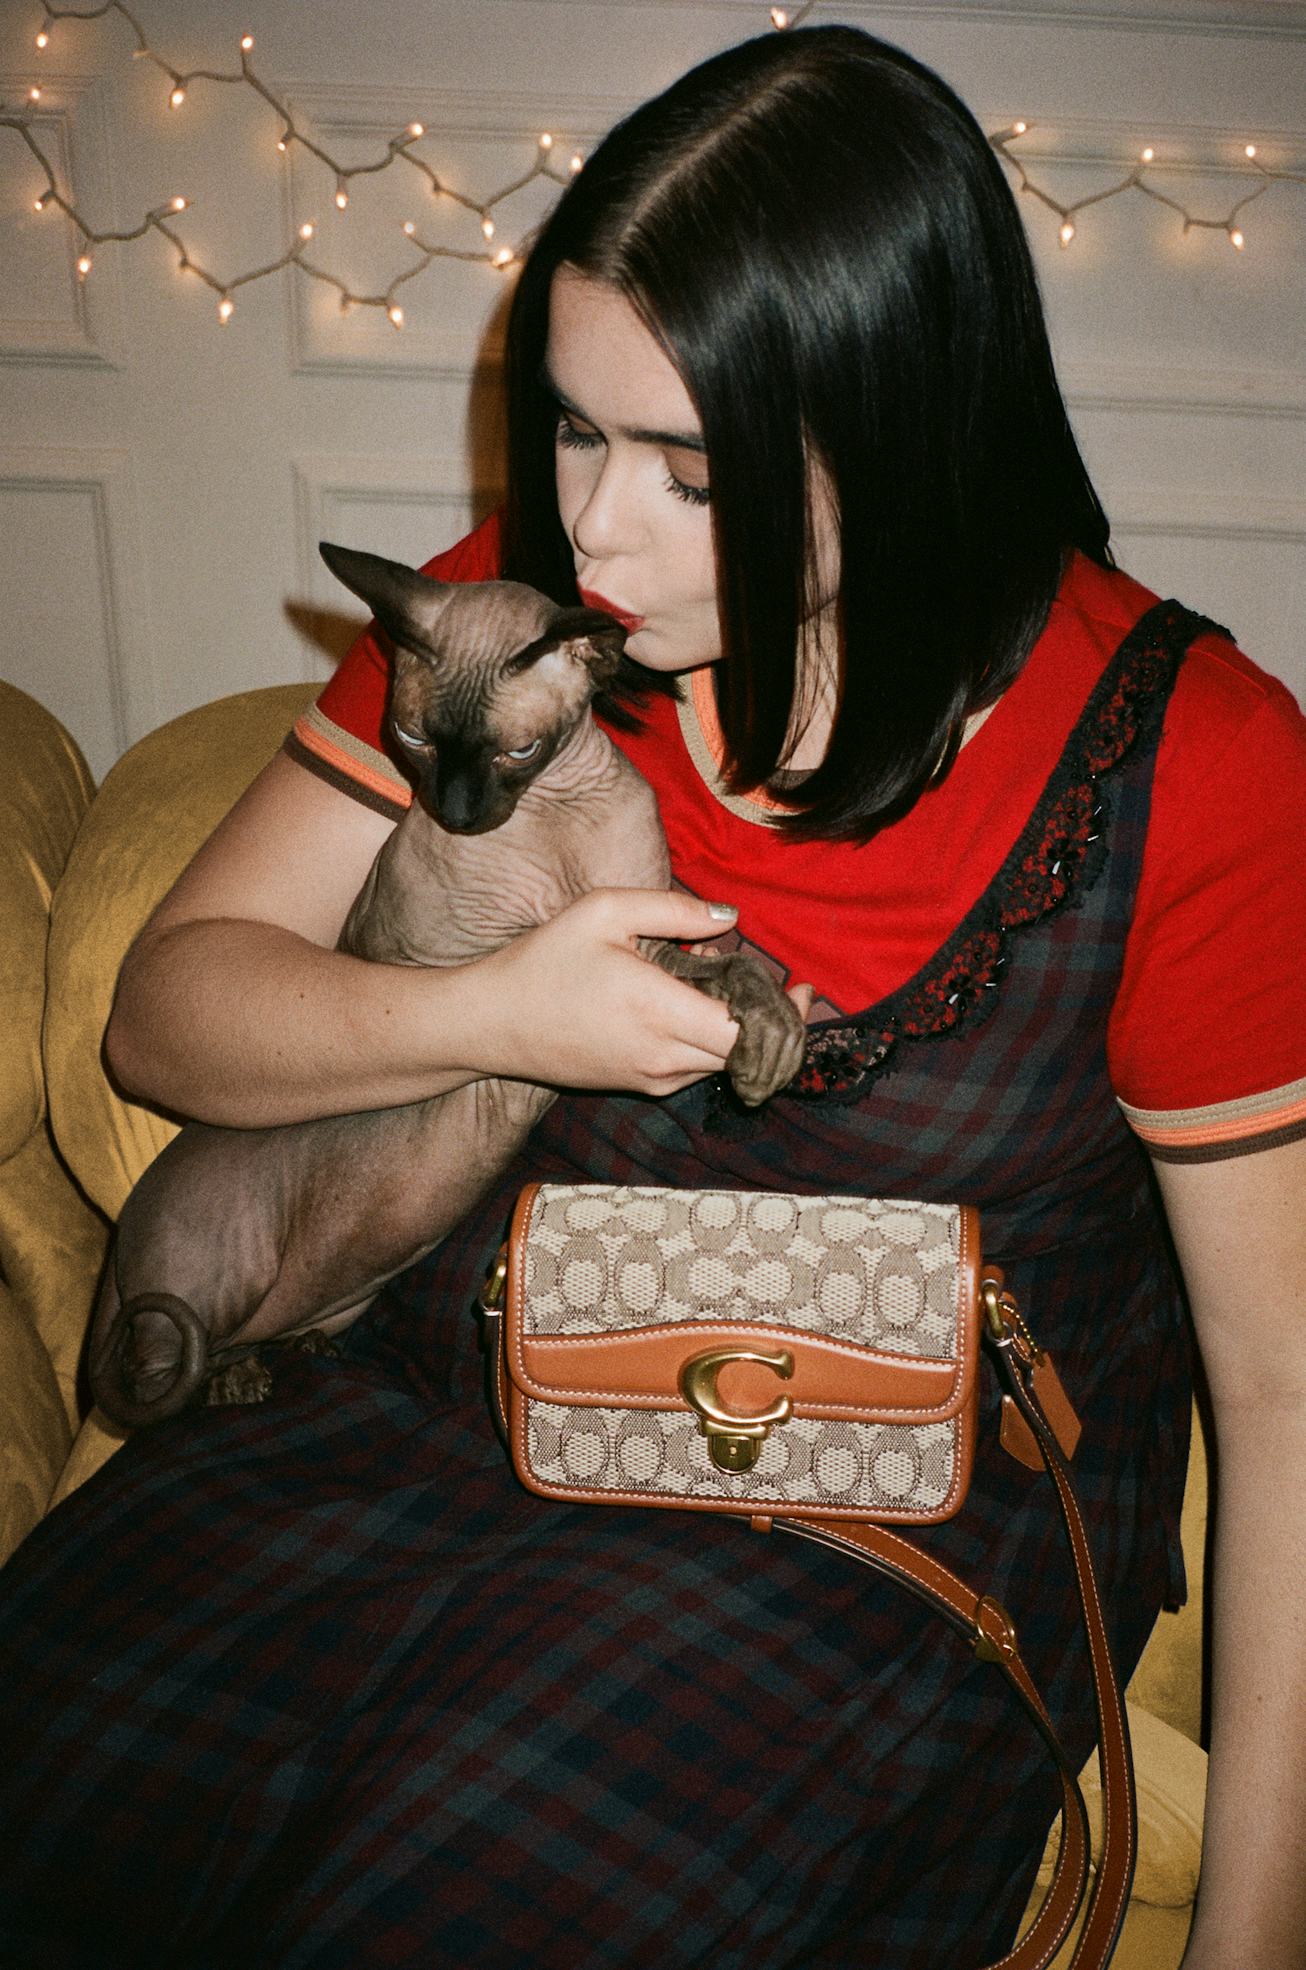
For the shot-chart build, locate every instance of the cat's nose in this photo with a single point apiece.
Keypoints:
(468, 803)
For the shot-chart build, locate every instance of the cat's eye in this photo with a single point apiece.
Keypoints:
(408, 738)
(524, 752)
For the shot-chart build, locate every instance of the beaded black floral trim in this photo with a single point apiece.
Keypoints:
(1056, 859)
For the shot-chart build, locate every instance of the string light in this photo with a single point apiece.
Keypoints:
(398, 151)
(1134, 181)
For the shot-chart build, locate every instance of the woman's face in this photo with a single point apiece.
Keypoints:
(632, 476)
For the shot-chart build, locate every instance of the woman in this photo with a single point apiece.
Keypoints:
(315, 1679)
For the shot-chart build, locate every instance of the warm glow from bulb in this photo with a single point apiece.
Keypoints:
(84, 265)
(178, 204)
(1237, 239)
(487, 227)
(225, 309)
(546, 140)
(247, 42)
(779, 18)
(33, 95)
(38, 205)
(409, 227)
(43, 39)
(177, 98)
(306, 230)
(1250, 151)
(342, 198)
(417, 129)
(396, 316)
(578, 162)
(503, 256)
(1148, 155)
(1020, 128)
(1067, 233)
(281, 143)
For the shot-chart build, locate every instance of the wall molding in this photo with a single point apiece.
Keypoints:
(505, 125)
(1183, 392)
(106, 479)
(1206, 516)
(1270, 20)
(324, 487)
(72, 124)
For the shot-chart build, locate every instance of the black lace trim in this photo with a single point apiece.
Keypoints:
(1057, 858)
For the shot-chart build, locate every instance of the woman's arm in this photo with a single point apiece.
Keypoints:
(1240, 1230)
(233, 1005)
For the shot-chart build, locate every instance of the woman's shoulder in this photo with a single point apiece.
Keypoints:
(1220, 691)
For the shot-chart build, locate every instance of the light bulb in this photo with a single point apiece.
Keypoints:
(1148, 155)
(178, 204)
(281, 143)
(246, 42)
(1067, 233)
(487, 227)
(178, 97)
(1237, 239)
(43, 38)
(33, 95)
(84, 265)
(38, 204)
(779, 18)
(546, 140)
(1249, 151)
(1020, 128)
(342, 197)
(396, 317)
(503, 256)
(409, 227)
(226, 306)
(578, 162)
(417, 129)
(306, 230)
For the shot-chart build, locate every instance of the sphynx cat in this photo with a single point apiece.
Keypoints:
(235, 1236)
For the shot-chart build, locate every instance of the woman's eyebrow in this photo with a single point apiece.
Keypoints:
(681, 440)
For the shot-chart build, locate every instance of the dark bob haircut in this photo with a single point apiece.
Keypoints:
(818, 233)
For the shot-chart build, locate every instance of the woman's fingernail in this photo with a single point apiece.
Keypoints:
(722, 910)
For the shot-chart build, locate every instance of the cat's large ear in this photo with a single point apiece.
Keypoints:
(406, 604)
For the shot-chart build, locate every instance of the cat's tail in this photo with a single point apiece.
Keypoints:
(150, 1359)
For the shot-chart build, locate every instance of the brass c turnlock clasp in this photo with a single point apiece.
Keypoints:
(734, 1443)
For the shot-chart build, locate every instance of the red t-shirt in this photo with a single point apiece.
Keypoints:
(1207, 1039)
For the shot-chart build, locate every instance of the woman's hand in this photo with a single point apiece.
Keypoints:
(574, 1004)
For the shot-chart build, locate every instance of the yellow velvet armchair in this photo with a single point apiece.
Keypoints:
(79, 872)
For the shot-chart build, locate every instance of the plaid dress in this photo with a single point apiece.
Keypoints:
(315, 1682)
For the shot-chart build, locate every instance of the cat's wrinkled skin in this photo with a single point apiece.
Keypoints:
(235, 1236)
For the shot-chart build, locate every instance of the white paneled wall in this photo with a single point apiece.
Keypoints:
(164, 481)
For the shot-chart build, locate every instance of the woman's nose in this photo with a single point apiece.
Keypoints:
(607, 520)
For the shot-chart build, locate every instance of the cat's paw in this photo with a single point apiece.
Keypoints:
(772, 1035)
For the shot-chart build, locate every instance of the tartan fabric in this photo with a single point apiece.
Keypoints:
(315, 1683)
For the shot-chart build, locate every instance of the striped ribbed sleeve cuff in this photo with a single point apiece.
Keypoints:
(348, 764)
(1224, 1128)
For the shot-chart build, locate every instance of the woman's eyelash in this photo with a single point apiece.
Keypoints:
(692, 495)
(573, 439)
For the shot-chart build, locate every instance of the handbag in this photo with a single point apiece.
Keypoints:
(809, 1364)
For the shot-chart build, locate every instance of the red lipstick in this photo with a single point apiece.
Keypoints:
(593, 600)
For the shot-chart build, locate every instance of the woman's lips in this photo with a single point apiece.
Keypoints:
(593, 600)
